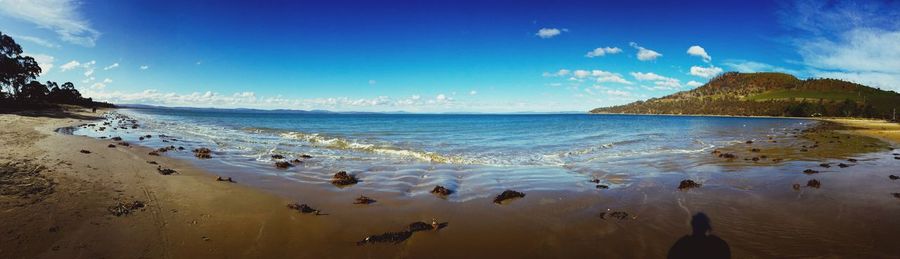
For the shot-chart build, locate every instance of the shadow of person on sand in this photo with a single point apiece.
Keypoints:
(700, 244)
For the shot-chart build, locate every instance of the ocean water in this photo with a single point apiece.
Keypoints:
(474, 155)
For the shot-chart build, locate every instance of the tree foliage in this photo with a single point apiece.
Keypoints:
(19, 85)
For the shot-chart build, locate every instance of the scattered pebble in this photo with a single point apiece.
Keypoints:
(224, 179)
(814, 183)
(608, 214)
(85, 151)
(123, 209)
(363, 200)
(441, 191)
(165, 171)
(342, 178)
(283, 165)
(506, 195)
(688, 184)
(303, 208)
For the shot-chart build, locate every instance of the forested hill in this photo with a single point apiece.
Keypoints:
(770, 94)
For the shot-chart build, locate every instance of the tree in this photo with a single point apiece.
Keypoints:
(34, 91)
(15, 70)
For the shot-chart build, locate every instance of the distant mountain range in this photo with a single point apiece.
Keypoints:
(770, 94)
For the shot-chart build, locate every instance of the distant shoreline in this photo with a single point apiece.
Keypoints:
(881, 129)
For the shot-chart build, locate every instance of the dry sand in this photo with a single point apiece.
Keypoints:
(60, 206)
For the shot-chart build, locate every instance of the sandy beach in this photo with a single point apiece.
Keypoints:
(59, 208)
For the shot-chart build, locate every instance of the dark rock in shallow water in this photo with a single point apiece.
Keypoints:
(796, 186)
(506, 195)
(814, 183)
(441, 191)
(852, 160)
(342, 178)
(602, 186)
(283, 165)
(363, 200)
(305, 156)
(116, 138)
(688, 184)
(277, 156)
(825, 165)
(303, 208)
(749, 142)
(296, 161)
(202, 153)
(810, 171)
(842, 165)
(894, 177)
(896, 195)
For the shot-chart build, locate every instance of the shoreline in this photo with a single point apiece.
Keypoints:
(881, 129)
(190, 214)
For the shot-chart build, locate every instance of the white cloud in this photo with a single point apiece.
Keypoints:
(561, 72)
(693, 83)
(98, 85)
(857, 53)
(618, 92)
(60, 16)
(644, 54)
(581, 73)
(599, 52)
(546, 33)
(660, 82)
(144, 67)
(107, 81)
(746, 66)
(114, 65)
(473, 92)
(848, 40)
(69, 66)
(699, 52)
(373, 82)
(706, 72)
(35, 40)
(43, 60)
(609, 77)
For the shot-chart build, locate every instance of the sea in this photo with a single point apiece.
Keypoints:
(472, 154)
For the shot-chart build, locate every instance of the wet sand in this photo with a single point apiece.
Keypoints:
(752, 206)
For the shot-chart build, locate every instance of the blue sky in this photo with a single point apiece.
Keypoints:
(442, 56)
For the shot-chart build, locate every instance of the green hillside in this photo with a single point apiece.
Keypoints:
(771, 94)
